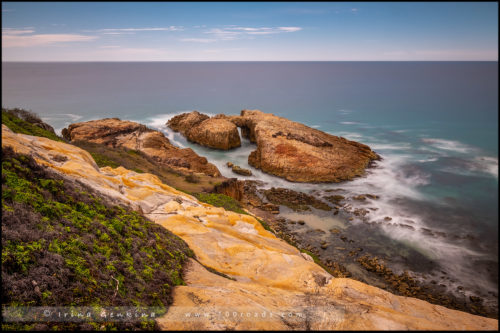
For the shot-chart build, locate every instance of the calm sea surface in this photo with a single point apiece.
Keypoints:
(435, 124)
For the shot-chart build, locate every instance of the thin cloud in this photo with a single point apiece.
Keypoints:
(235, 32)
(118, 33)
(171, 28)
(198, 40)
(42, 39)
(14, 31)
(290, 29)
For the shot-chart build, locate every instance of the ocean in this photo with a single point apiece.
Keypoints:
(435, 125)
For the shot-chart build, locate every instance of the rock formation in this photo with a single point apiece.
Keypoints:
(215, 132)
(272, 285)
(232, 187)
(114, 132)
(241, 171)
(299, 153)
(284, 148)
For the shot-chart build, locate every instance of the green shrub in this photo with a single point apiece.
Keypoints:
(18, 125)
(221, 200)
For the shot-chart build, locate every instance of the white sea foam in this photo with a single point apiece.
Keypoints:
(487, 165)
(315, 126)
(426, 160)
(349, 123)
(348, 135)
(449, 145)
(344, 111)
(479, 165)
(389, 146)
(159, 121)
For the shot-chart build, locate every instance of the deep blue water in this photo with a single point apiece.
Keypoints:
(434, 123)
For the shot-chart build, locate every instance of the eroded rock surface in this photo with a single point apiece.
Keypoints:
(114, 132)
(299, 153)
(270, 276)
(216, 132)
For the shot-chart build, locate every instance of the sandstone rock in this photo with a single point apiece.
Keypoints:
(241, 171)
(215, 132)
(114, 132)
(232, 188)
(299, 153)
(184, 122)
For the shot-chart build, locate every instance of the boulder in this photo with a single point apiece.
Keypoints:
(241, 171)
(216, 132)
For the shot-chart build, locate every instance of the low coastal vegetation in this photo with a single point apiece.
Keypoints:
(228, 203)
(22, 121)
(63, 245)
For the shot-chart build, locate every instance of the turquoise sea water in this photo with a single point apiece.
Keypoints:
(435, 124)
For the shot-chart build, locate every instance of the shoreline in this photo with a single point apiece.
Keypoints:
(377, 272)
(267, 270)
(345, 254)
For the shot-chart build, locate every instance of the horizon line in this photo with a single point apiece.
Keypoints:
(142, 61)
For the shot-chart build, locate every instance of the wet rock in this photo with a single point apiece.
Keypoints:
(301, 222)
(360, 197)
(427, 232)
(297, 201)
(241, 171)
(475, 299)
(387, 218)
(334, 199)
(229, 164)
(406, 226)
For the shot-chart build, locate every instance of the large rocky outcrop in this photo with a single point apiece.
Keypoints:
(272, 285)
(299, 153)
(284, 148)
(216, 132)
(114, 132)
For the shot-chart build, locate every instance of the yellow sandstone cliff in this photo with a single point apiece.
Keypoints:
(273, 285)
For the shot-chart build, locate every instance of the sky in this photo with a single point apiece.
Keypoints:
(249, 31)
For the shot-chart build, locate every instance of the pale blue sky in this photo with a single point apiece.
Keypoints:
(249, 31)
